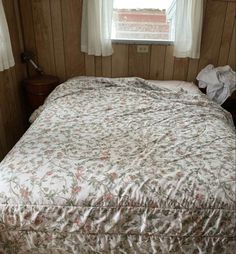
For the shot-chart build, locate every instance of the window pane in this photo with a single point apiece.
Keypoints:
(142, 20)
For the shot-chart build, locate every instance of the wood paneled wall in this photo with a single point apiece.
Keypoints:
(52, 32)
(12, 111)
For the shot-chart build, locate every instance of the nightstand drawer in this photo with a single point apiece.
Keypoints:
(38, 88)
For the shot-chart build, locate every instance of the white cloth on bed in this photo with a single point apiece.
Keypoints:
(220, 82)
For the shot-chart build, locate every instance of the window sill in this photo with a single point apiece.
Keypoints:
(136, 41)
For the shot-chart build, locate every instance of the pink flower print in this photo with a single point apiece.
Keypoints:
(78, 221)
(87, 227)
(49, 172)
(27, 215)
(105, 155)
(39, 220)
(76, 190)
(25, 193)
(10, 220)
(179, 174)
(49, 238)
(129, 179)
(113, 176)
(199, 196)
(78, 174)
(108, 197)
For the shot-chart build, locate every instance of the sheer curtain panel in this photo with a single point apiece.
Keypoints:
(96, 27)
(6, 56)
(188, 28)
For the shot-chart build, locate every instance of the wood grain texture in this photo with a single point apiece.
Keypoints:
(139, 63)
(227, 33)
(28, 30)
(192, 70)
(98, 66)
(120, 60)
(63, 19)
(12, 110)
(44, 35)
(181, 68)
(212, 33)
(74, 58)
(157, 62)
(169, 63)
(89, 65)
(58, 39)
(3, 135)
(232, 52)
(107, 66)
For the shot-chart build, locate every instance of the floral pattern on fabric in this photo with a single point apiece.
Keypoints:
(121, 166)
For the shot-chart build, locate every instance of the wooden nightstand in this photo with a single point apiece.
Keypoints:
(38, 88)
(230, 105)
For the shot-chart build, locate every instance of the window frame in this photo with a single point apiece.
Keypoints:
(146, 41)
(142, 42)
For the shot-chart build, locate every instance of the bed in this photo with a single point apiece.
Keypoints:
(121, 166)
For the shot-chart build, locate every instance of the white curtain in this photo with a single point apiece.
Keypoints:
(96, 27)
(188, 28)
(6, 56)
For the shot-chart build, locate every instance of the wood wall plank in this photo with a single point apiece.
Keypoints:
(120, 60)
(227, 34)
(28, 30)
(44, 35)
(58, 39)
(107, 66)
(98, 66)
(7, 107)
(3, 135)
(89, 65)
(192, 70)
(157, 62)
(139, 63)
(232, 52)
(212, 32)
(180, 68)
(19, 71)
(74, 58)
(169, 63)
(12, 114)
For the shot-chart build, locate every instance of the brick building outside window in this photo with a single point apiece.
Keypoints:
(143, 24)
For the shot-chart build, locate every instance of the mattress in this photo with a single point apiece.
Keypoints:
(121, 166)
(176, 86)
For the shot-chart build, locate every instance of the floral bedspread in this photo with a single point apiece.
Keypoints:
(121, 166)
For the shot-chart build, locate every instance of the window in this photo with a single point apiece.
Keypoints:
(145, 20)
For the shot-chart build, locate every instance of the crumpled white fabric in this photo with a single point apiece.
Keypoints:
(220, 82)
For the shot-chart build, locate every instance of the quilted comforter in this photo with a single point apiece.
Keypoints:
(121, 166)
